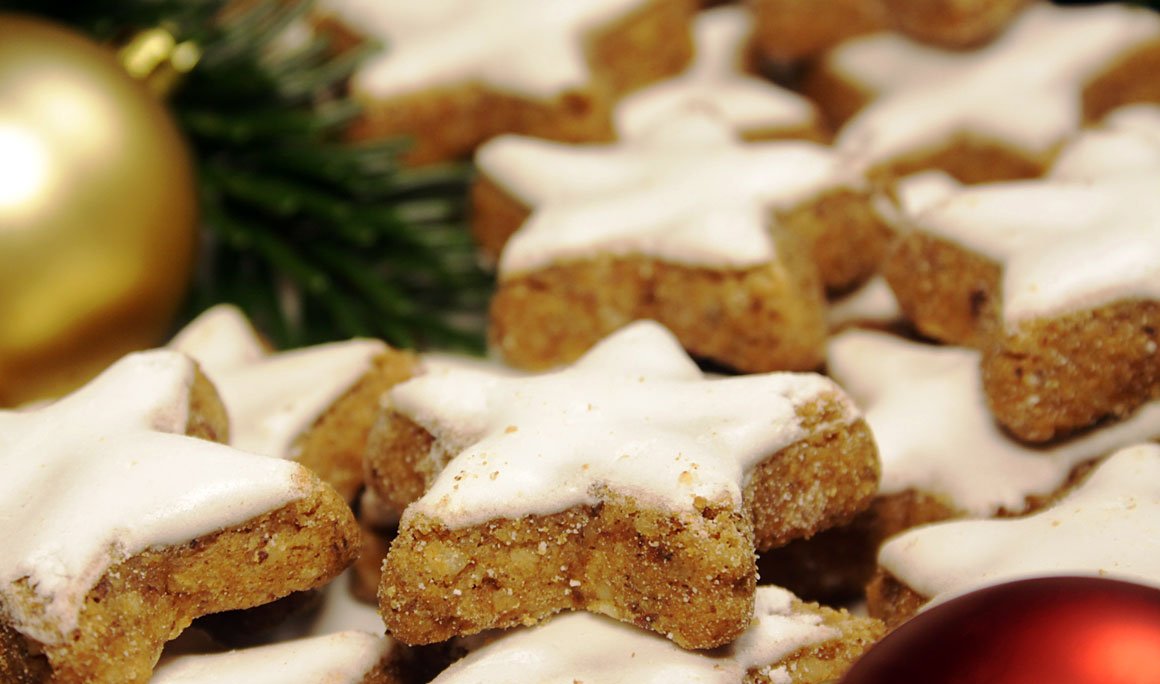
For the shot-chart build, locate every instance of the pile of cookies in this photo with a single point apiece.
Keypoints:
(776, 283)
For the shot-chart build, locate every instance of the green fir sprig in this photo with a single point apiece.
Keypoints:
(315, 237)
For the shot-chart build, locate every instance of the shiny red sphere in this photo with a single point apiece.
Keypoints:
(1056, 630)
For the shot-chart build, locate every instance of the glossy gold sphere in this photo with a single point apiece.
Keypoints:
(97, 211)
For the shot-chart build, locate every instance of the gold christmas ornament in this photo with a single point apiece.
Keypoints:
(97, 211)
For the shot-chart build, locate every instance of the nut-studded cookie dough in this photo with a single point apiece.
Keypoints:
(789, 641)
(314, 405)
(453, 73)
(119, 529)
(1108, 526)
(626, 485)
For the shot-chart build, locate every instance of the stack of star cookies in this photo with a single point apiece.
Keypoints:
(806, 315)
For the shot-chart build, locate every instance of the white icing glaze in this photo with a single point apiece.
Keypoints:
(438, 362)
(633, 416)
(1064, 246)
(106, 473)
(689, 192)
(881, 63)
(916, 193)
(1023, 89)
(339, 658)
(872, 303)
(1142, 119)
(926, 408)
(910, 196)
(221, 337)
(529, 47)
(272, 399)
(714, 79)
(588, 648)
(1108, 526)
(537, 171)
(1127, 143)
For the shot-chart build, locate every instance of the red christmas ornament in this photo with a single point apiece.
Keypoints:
(1055, 630)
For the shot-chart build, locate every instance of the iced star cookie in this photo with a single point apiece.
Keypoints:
(693, 156)
(314, 405)
(339, 658)
(722, 241)
(947, 287)
(720, 76)
(626, 484)
(453, 73)
(941, 451)
(1055, 280)
(789, 641)
(1001, 111)
(119, 529)
(790, 31)
(935, 434)
(1108, 526)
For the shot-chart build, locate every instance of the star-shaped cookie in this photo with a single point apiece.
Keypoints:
(625, 484)
(935, 433)
(527, 47)
(754, 107)
(947, 281)
(1108, 526)
(789, 641)
(1055, 280)
(314, 404)
(453, 73)
(691, 227)
(1058, 283)
(942, 454)
(1008, 105)
(119, 529)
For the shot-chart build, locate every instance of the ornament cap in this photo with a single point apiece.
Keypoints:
(155, 57)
